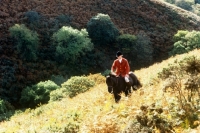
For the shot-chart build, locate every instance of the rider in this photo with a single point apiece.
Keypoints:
(121, 67)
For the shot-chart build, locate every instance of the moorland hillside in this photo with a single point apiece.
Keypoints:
(149, 109)
(159, 21)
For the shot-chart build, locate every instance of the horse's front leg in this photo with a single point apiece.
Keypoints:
(117, 97)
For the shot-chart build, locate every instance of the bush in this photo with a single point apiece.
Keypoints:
(185, 41)
(185, 4)
(6, 110)
(183, 79)
(32, 16)
(144, 49)
(97, 78)
(170, 1)
(5, 106)
(127, 43)
(27, 41)
(58, 79)
(71, 43)
(77, 84)
(37, 94)
(72, 123)
(58, 94)
(102, 30)
(65, 19)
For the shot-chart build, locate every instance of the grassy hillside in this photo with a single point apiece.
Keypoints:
(156, 20)
(96, 112)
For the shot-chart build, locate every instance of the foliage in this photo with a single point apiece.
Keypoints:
(71, 43)
(144, 49)
(58, 79)
(183, 79)
(37, 94)
(26, 41)
(185, 41)
(77, 84)
(6, 110)
(196, 9)
(73, 86)
(102, 30)
(97, 78)
(65, 19)
(5, 106)
(151, 119)
(126, 43)
(32, 16)
(170, 1)
(185, 4)
(72, 124)
(106, 72)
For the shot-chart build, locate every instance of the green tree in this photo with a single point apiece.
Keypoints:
(185, 41)
(127, 44)
(71, 43)
(26, 41)
(144, 49)
(102, 30)
(38, 93)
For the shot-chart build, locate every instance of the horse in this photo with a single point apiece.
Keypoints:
(117, 85)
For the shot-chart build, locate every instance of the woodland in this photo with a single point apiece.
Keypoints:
(56, 54)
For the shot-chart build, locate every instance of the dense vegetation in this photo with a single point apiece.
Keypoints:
(167, 102)
(43, 60)
(189, 5)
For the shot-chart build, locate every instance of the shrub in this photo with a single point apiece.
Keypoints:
(185, 41)
(72, 124)
(6, 110)
(58, 94)
(106, 72)
(5, 106)
(185, 4)
(58, 79)
(37, 94)
(65, 19)
(183, 79)
(151, 119)
(26, 40)
(32, 16)
(126, 43)
(102, 30)
(71, 43)
(97, 78)
(144, 49)
(77, 84)
(170, 1)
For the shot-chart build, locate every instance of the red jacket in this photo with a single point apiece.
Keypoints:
(122, 68)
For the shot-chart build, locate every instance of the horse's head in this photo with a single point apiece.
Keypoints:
(111, 82)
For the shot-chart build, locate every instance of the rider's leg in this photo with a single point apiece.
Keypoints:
(128, 86)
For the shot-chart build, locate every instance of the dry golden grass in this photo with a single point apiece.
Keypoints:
(99, 112)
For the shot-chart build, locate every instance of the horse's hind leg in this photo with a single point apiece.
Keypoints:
(128, 92)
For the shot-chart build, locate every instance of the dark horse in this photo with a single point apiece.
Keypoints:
(117, 85)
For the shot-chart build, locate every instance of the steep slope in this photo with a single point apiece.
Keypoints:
(158, 20)
(95, 111)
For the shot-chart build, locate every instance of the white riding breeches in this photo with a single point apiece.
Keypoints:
(126, 79)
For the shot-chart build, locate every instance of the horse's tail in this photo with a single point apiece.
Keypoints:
(136, 81)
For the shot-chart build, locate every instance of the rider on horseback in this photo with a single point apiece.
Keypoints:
(121, 67)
